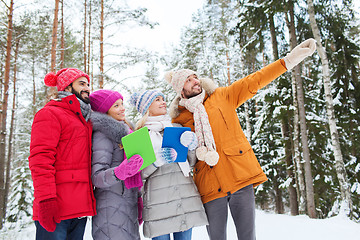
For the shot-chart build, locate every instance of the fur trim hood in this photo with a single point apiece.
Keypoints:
(113, 129)
(206, 83)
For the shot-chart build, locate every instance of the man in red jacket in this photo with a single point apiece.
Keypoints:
(60, 159)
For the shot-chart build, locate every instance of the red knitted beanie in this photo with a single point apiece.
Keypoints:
(63, 78)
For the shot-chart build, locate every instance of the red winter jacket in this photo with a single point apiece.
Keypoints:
(60, 158)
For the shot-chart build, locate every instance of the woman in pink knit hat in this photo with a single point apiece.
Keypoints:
(116, 179)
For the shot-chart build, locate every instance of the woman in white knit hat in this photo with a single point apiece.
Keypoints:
(172, 203)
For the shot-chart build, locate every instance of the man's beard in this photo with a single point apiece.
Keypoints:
(78, 95)
(191, 94)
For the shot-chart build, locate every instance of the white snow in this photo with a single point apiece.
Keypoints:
(269, 226)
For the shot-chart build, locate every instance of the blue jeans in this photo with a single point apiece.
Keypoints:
(70, 229)
(186, 235)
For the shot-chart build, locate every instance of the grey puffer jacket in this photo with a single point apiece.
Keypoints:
(116, 206)
(171, 200)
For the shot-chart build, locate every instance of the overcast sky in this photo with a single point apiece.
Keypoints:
(171, 16)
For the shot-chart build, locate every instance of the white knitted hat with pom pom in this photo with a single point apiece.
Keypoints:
(177, 78)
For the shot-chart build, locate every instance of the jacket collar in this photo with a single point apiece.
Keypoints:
(70, 103)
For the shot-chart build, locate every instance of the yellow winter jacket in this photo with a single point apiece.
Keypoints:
(237, 166)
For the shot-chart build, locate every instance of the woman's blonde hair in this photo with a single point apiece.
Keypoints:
(129, 124)
(142, 120)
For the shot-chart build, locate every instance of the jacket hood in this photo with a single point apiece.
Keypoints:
(113, 129)
(206, 83)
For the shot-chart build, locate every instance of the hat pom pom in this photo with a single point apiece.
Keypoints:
(50, 79)
(200, 153)
(133, 98)
(211, 158)
(168, 76)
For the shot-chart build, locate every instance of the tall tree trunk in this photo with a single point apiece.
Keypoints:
(52, 90)
(246, 106)
(296, 151)
(286, 133)
(247, 121)
(228, 66)
(85, 19)
(10, 140)
(294, 205)
(4, 112)
(279, 204)
(274, 43)
(101, 80)
(54, 37)
(346, 206)
(90, 43)
(301, 105)
(62, 52)
(34, 110)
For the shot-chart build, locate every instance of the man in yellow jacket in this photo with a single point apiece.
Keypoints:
(227, 169)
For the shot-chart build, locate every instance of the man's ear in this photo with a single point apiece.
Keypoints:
(182, 93)
(68, 89)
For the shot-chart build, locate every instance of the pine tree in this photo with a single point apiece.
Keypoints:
(3, 114)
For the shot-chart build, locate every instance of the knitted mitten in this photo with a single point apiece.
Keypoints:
(49, 214)
(129, 167)
(189, 140)
(165, 155)
(299, 53)
(134, 181)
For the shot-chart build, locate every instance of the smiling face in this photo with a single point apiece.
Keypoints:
(80, 87)
(191, 87)
(157, 107)
(117, 110)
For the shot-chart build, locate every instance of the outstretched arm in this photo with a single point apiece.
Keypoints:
(245, 88)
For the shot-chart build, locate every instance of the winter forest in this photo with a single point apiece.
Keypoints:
(304, 127)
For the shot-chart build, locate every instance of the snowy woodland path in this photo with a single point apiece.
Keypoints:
(269, 226)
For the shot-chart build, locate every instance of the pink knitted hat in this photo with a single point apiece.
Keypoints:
(63, 78)
(102, 100)
(177, 78)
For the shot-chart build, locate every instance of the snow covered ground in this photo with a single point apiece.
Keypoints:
(269, 226)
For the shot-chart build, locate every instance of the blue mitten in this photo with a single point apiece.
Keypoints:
(164, 156)
(189, 140)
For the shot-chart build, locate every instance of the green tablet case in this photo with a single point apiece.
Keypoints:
(139, 142)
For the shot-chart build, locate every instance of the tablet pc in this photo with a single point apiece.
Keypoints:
(139, 142)
(171, 139)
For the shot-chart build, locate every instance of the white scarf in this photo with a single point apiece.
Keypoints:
(206, 150)
(156, 124)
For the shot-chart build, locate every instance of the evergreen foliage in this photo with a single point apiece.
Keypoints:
(272, 105)
(225, 38)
